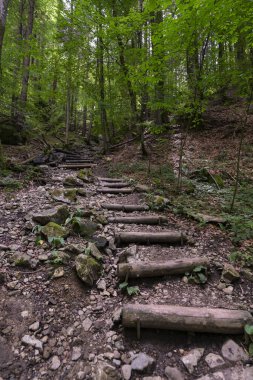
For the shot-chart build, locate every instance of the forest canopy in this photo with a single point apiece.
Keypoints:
(111, 66)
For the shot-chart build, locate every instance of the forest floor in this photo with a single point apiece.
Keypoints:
(75, 325)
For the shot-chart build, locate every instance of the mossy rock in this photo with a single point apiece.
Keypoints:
(84, 227)
(64, 195)
(57, 215)
(21, 260)
(88, 269)
(85, 175)
(59, 258)
(10, 183)
(72, 181)
(52, 230)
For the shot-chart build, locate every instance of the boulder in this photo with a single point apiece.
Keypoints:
(64, 195)
(94, 252)
(229, 273)
(72, 182)
(75, 249)
(83, 227)
(57, 215)
(51, 230)
(88, 269)
(85, 175)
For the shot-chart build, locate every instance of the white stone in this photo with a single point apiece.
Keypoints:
(55, 363)
(87, 323)
(191, 359)
(35, 326)
(233, 352)
(214, 361)
(32, 341)
(76, 353)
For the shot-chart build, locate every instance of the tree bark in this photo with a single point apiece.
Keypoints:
(27, 58)
(3, 15)
(179, 318)
(155, 269)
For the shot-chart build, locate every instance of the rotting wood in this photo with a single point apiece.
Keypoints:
(114, 185)
(155, 269)
(124, 190)
(126, 208)
(168, 237)
(180, 318)
(143, 219)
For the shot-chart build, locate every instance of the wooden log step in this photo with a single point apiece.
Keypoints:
(114, 185)
(76, 166)
(194, 319)
(79, 161)
(102, 179)
(123, 190)
(168, 237)
(155, 269)
(125, 208)
(146, 219)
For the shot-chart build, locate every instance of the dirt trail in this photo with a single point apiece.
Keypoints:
(73, 329)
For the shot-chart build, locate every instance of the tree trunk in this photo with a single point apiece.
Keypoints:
(192, 319)
(3, 15)
(27, 58)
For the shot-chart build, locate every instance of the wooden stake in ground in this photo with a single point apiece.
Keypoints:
(196, 319)
(155, 269)
(169, 237)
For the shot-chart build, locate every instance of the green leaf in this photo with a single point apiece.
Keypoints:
(248, 329)
(251, 349)
(133, 290)
(123, 285)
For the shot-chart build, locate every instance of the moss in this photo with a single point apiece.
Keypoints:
(52, 230)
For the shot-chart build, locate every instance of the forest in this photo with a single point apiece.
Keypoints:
(126, 199)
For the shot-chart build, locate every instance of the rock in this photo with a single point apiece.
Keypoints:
(142, 362)
(116, 317)
(85, 175)
(55, 363)
(35, 326)
(62, 195)
(88, 269)
(101, 285)
(75, 249)
(47, 352)
(213, 376)
(191, 359)
(76, 353)
(128, 255)
(59, 272)
(126, 371)
(105, 371)
(206, 218)
(142, 188)
(81, 192)
(247, 273)
(111, 244)
(2, 278)
(32, 341)
(52, 230)
(94, 252)
(22, 260)
(228, 290)
(214, 361)
(248, 373)
(71, 181)
(4, 247)
(173, 373)
(229, 273)
(100, 242)
(83, 227)
(87, 323)
(57, 215)
(233, 352)
(152, 378)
